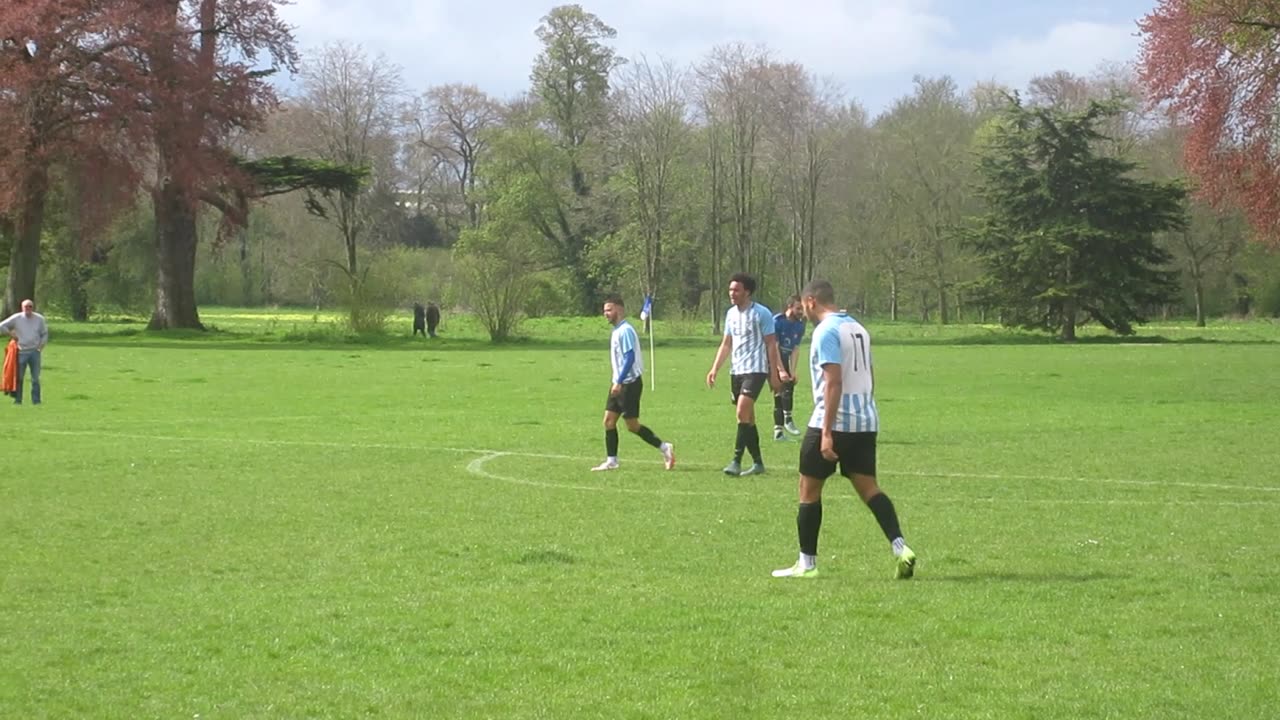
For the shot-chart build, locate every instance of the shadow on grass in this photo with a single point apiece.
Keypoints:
(328, 339)
(226, 340)
(1035, 578)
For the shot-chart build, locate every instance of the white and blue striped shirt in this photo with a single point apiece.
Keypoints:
(749, 328)
(843, 341)
(624, 351)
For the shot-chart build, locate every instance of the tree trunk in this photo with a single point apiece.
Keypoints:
(175, 261)
(1069, 310)
(24, 254)
(246, 270)
(1069, 321)
(893, 296)
(1199, 292)
(75, 276)
(351, 256)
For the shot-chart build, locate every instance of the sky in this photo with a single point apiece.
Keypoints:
(871, 48)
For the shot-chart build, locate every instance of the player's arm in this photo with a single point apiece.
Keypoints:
(831, 406)
(726, 345)
(777, 375)
(769, 331)
(628, 362)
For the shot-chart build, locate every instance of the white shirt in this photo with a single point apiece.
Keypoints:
(748, 328)
(843, 341)
(32, 331)
(624, 338)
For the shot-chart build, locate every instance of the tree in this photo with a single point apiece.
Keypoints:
(1215, 64)
(67, 96)
(733, 86)
(570, 79)
(449, 126)
(653, 135)
(1211, 237)
(1069, 232)
(347, 113)
(926, 140)
(202, 87)
(800, 131)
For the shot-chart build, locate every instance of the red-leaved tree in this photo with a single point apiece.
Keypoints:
(69, 95)
(206, 85)
(1216, 65)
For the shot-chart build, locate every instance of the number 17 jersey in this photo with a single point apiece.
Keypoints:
(841, 340)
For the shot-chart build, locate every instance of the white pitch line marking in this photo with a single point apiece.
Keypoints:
(490, 454)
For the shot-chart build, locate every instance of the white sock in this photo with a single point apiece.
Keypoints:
(808, 562)
(612, 459)
(898, 545)
(665, 447)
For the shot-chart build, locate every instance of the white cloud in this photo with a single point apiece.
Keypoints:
(1077, 47)
(872, 47)
(848, 38)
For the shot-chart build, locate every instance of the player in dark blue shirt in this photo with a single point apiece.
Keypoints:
(789, 327)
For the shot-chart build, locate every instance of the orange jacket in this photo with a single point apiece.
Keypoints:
(9, 383)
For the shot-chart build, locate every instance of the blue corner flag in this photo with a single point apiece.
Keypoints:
(647, 310)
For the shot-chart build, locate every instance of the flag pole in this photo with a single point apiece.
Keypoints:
(653, 363)
(646, 314)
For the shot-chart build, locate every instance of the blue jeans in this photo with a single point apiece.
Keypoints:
(28, 359)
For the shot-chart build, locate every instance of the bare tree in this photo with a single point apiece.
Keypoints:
(800, 115)
(654, 132)
(348, 115)
(926, 138)
(733, 85)
(448, 125)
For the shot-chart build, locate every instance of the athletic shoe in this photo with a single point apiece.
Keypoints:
(606, 465)
(796, 571)
(733, 468)
(906, 564)
(669, 455)
(755, 469)
(777, 434)
(791, 428)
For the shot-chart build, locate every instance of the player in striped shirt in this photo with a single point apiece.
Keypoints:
(789, 325)
(842, 429)
(750, 338)
(628, 384)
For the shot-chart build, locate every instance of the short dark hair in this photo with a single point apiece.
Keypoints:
(614, 300)
(747, 281)
(793, 300)
(821, 291)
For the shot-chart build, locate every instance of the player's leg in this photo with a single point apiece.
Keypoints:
(779, 414)
(740, 440)
(782, 406)
(814, 470)
(631, 414)
(752, 386)
(789, 399)
(612, 411)
(858, 463)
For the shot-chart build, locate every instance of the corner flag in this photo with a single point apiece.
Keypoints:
(646, 315)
